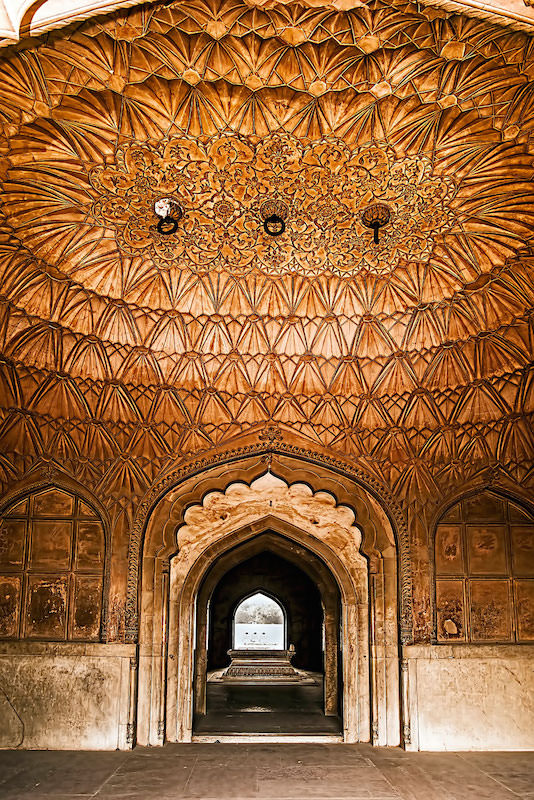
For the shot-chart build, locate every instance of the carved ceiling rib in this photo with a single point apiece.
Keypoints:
(124, 350)
(20, 18)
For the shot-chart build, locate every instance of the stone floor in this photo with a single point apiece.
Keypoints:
(264, 772)
(265, 709)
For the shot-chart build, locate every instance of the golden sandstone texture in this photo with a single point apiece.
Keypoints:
(124, 350)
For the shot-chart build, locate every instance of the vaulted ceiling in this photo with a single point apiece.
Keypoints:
(124, 349)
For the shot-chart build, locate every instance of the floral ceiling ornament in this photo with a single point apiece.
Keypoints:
(229, 184)
(170, 213)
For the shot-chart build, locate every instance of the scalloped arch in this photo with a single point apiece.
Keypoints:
(164, 508)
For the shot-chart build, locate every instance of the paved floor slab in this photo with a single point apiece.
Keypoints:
(265, 772)
(265, 709)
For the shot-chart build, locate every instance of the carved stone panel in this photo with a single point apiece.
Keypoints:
(51, 545)
(483, 507)
(10, 589)
(449, 550)
(53, 504)
(87, 607)
(486, 549)
(525, 610)
(451, 610)
(12, 539)
(46, 610)
(491, 610)
(90, 546)
(523, 549)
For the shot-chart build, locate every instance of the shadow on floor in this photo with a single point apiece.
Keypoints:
(265, 709)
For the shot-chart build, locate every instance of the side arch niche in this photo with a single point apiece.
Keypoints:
(194, 526)
(53, 572)
(484, 571)
(471, 687)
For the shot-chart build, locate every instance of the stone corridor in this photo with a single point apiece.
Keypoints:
(265, 771)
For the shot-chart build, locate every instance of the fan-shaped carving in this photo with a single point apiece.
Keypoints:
(123, 351)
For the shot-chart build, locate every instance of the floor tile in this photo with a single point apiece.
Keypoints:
(265, 771)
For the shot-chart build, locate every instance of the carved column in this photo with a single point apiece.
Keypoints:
(331, 646)
(163, 655)
(374, 657)
(201, 663)
(405, 704)
(132, 709)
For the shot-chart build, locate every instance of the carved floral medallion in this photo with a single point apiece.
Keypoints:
(228, 184)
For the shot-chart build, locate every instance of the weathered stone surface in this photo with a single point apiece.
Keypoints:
(465, 697)
(64, 696)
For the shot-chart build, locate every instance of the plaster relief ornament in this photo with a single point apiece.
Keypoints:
(228, 187)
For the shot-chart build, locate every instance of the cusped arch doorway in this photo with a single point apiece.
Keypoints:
(190, 530)
(271, 613)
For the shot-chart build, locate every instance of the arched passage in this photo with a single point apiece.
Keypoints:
(176, 559)
(296, 547)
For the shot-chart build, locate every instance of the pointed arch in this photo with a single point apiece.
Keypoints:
(184, 526)
(383, 524)
(273, 602)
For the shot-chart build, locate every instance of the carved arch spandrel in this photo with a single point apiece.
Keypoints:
(165, 504)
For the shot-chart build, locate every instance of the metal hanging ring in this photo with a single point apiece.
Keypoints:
(164, 223)
(274, 225)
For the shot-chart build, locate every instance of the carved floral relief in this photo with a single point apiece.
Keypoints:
(228, 185)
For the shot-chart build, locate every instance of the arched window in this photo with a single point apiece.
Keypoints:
(51, 568)
(259, 624)
(484, 556)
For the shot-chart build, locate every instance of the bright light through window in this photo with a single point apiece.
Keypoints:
(259, 624)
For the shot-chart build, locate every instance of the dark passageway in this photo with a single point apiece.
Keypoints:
(267, 709)
(297, 593)
(267, 705)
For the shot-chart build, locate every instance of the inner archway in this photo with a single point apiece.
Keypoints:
(270, 577)
(283, 583)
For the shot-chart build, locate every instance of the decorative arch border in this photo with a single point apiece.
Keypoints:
(497, 483)
(54, 479)
(267, 451)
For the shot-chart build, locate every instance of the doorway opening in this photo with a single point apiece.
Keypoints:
(353, 565)
(272, 665)
(259, 624)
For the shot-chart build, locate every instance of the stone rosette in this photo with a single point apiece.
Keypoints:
(225, 183)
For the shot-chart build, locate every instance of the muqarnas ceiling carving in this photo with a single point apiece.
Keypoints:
(123, 352)
(227, 186)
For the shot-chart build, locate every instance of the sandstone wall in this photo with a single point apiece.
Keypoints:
(64, 696)
(466, 697)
